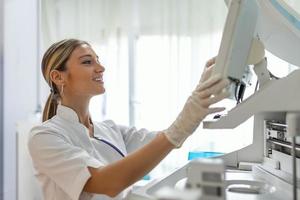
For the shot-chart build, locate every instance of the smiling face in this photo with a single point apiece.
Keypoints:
(83, 76)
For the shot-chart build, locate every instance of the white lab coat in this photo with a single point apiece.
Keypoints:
(61, 150)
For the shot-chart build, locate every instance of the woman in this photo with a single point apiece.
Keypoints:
(75, 157)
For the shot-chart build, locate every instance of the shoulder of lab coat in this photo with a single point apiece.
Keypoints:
(66, 164)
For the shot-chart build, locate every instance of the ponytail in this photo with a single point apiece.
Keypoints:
(50, 107)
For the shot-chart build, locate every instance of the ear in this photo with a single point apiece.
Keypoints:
(57, 77)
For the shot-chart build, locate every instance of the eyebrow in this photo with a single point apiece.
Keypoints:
(88, 55)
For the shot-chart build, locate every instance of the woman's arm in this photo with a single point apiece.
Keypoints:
(114, 178)
(133, 138)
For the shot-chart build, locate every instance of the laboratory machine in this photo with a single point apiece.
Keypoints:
(269, 168)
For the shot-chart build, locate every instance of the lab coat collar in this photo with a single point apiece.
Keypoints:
(67, 113)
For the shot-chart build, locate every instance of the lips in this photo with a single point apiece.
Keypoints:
(98, 79)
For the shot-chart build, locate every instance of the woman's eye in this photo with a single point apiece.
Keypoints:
(87, 62)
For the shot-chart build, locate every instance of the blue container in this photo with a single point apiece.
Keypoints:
(203, 154)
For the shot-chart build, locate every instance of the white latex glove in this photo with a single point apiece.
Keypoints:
(209, 91)
(208, 69)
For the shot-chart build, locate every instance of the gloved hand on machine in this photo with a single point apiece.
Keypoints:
(210, 90)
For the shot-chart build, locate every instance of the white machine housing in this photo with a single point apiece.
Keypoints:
(208, 176)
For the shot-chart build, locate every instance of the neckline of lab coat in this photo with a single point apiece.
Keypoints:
(67, 113)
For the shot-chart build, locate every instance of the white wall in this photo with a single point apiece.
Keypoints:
(20, 78)
(1, 99)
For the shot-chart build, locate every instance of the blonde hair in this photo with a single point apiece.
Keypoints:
(55, 58)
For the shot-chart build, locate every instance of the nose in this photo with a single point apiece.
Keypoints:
(100, 68)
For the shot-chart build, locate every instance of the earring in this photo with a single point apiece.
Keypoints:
(62, 91)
